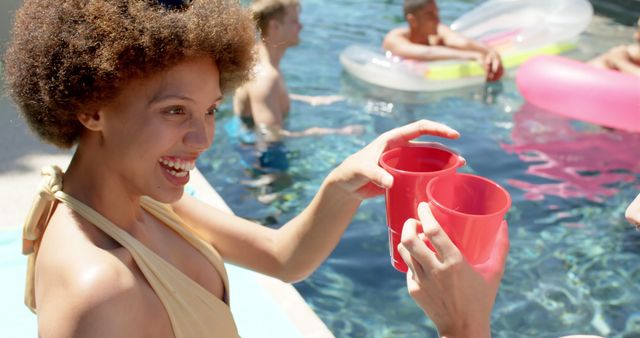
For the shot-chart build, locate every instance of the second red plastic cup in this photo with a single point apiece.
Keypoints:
(470, 209)
(412, 167)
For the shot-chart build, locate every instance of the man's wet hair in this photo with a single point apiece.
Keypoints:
(412, 6)
(266, 10)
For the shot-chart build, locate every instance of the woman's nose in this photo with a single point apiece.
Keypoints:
(200, 135)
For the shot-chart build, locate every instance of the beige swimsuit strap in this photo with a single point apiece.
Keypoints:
(167, 216)
(193, 310)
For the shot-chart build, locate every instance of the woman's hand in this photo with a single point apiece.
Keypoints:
(456, 296)
(360, 173)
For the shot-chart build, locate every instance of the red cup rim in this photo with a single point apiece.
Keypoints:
(501, 211)
(418, 173)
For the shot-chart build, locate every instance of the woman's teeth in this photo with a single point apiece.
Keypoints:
(177, 167)
(177, 173)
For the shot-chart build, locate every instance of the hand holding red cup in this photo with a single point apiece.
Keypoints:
(412, 167)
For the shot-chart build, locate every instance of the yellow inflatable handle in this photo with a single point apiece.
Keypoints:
(509, 60)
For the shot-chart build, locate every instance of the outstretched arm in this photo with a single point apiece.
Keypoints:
(310, 237)
(489, 58)
(454, 39)
(397, 43)
(296, 249)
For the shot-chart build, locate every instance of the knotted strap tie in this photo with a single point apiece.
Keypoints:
(33, 226)
(36, 223)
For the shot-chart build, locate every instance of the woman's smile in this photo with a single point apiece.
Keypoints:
(177, 169)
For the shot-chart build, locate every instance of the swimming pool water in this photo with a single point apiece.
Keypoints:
(574, 264)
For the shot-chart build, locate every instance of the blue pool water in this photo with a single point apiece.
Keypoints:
(574, 264)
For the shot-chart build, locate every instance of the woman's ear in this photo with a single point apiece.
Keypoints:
(91, 120)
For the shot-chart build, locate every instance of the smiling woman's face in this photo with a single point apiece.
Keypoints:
(154, 130)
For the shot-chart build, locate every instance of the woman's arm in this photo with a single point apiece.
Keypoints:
(296, 249)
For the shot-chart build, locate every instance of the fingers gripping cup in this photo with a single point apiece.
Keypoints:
(412, 167)
(470, 209)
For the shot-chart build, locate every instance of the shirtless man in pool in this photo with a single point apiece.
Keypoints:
(427, 39)
(264, 102)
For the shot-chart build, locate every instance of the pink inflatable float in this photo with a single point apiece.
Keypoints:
(581, 91)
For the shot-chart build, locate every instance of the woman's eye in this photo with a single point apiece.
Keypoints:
(175, 111)
(212, 111)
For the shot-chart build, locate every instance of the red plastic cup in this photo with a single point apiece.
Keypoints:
(412, 167)
(470, 209)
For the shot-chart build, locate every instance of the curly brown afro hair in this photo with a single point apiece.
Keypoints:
(71, 56)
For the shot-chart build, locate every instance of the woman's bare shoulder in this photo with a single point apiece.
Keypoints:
(85, 280)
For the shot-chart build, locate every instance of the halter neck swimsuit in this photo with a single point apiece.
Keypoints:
(194, 312)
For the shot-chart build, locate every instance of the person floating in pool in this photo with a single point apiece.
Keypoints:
(624, 58)
(115, 246)
(427, 39)
(263, 103)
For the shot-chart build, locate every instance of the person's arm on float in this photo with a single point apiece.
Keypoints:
(456, 296)
(625, 59)
(599, 61)
(295, 250)
(399, 45)
(489, 57)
